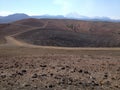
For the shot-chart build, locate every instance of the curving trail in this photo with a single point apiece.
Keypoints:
(31, 28)
(11, 41)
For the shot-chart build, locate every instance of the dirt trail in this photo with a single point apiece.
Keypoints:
(11, 41)
(31, 28)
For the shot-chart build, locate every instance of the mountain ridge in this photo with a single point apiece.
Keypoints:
(20, 16)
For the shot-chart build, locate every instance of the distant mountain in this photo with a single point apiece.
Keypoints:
(19, 16)
(49, 17)
(1, 17)
(77, 16)
(80, 17)
(13, 17)
(101, 19)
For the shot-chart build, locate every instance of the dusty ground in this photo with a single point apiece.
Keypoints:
(30, 67)
(24, 68)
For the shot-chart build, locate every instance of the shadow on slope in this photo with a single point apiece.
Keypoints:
(46, 37)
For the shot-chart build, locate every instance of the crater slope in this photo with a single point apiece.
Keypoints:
(63, 32)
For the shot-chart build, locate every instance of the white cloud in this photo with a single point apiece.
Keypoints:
(5, 13)
(65, 5)
(81, 7)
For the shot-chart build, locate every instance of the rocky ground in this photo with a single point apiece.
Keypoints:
(59, 72)
(29, 67)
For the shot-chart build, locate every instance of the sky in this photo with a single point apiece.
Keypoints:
(90, 8)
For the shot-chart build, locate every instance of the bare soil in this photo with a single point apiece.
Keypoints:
(42, 68)
(26, 66)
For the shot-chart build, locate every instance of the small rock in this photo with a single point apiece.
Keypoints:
(24, 71)
(51, 74)
(51, 86)
(80, 71)
(11, 84)
(105, 76)
(43, 65)
(117, 86)
(3, 76)
(35, 76)
(107, 83)
(26, 85)
(20, 73)
(35, 87)
(118, 69)
(63, 68)
(94, 83)
(86, 72)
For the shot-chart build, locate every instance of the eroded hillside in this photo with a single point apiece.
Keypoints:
(65, 33)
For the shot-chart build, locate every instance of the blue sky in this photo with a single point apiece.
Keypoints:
(91, 8)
